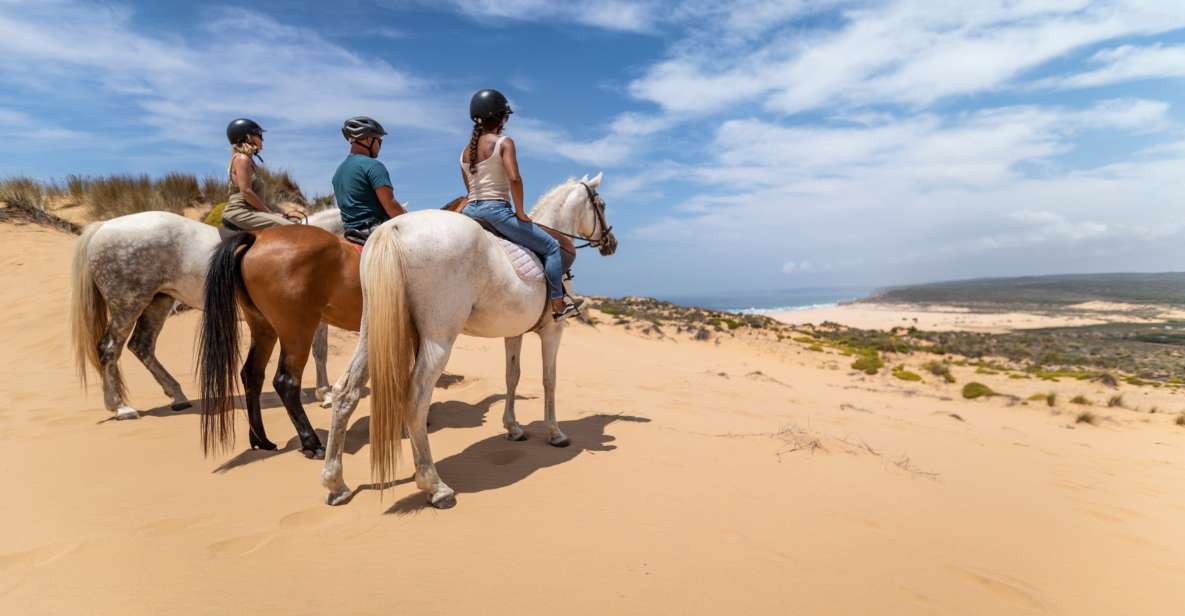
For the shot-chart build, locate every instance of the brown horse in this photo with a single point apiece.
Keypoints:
(286, 280)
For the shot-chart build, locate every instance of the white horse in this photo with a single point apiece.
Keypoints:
(428, 277)
(129, 272)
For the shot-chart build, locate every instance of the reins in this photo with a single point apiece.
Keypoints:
(598, 206)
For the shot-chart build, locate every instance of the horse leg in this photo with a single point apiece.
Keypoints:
(123, 318)
(346, 392)
(514, 347)
(550, 336)
(263, 340)
(294, 354)
(320, 355)
(430, 361)
(143, 346)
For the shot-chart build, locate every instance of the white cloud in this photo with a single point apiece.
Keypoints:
(637, 16)
(1127, 63)
(903, 52)
(625, 133)
(796, 267)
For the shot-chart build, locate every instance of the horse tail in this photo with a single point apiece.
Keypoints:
(390, 341)
(88, 309)
(218, 342)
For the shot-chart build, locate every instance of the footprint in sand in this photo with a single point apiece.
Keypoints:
(307, 518)
(239, 546)
(503, 457)
(1014, 592)
(37, 556)
(172, 526)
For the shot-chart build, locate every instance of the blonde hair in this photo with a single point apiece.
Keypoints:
(245, 147)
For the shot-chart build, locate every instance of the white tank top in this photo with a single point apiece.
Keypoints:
(489, 181)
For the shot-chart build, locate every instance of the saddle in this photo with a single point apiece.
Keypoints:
(567, 247)
(227, 229)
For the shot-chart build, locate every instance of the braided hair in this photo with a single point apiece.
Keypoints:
(480, 127)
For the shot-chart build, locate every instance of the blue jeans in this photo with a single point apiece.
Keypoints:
(501, 216)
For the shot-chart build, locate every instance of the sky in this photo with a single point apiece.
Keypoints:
(748, 145)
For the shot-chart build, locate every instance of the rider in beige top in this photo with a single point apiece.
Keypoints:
(246, 208)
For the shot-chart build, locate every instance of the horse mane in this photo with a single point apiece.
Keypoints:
(553, 197)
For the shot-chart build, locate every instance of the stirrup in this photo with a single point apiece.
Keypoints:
(570, 308)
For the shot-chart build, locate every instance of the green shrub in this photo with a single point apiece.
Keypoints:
(1080, 399)
(905, 375)
(975, 390)
(1087, 417)
(869, 363)
(941, 369)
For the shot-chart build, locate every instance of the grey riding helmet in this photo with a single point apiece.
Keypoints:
(359, 127)
(488, 104)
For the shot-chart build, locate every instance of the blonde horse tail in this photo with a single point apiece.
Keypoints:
(391, 341)
(88, 309)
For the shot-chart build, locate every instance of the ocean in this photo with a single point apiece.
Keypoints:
(760, 302)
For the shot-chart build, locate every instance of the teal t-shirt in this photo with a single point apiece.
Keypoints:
(354, 184)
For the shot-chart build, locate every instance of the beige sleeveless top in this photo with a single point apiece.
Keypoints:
(489, 181)
(236, 198)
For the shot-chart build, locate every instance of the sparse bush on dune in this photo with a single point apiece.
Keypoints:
(1116, 400)
(975, 390)
(215, 189)
(905, 375)
(77, 187)
(869, 362)
(118, 195)
(178, 191)
(23, 192)
(1080, 399)
(1087, 417)
(280, 187)
(1180, 421)
(941, 369)
(1049, 398)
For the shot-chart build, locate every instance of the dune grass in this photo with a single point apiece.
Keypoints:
(975, 390)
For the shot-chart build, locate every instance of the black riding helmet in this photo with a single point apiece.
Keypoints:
(488, 104)
(239, 130)
(358, 127)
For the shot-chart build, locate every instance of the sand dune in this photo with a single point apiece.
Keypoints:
(704, 477)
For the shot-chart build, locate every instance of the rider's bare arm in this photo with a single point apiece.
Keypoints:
(243, 168)
(386, 196)
(510, 164)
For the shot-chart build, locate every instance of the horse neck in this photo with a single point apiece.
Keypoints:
(329, 220)
(560, 216)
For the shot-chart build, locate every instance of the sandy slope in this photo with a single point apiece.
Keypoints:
(951, 318)
(703, 478)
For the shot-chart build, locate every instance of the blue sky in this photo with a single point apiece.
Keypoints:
(745, 145)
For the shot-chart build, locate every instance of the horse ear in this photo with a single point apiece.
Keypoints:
(584, 178)
(596, 182)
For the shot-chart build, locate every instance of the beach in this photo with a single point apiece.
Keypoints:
(738, 473)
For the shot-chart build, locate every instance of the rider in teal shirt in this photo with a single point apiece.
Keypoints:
(361, 184)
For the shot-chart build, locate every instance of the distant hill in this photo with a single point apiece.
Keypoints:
(1051, 291)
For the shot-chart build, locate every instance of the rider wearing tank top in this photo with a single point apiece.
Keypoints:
(489, 169)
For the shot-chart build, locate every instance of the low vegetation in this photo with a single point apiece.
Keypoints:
(942, 369)
(1049, 399)
(1087, 417)
(975, 390)
(117, 195)
(905, 375)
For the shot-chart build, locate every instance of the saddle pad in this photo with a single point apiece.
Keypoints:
(525, 263)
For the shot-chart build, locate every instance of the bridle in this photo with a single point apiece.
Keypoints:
(604, 240)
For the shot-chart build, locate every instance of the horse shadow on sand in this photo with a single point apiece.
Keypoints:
(445, 414)
(495, 462)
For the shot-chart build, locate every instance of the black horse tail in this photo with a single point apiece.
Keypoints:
(218, 342)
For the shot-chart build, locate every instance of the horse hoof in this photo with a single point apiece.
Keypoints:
(334, 499)
(516, 434)
(123, 414)
(264, 445)
(448, 501)
(327, 402)
(314, 454)
(180, 406)
(559, 441)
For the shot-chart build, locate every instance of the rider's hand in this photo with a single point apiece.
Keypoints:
(522, 217)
